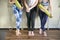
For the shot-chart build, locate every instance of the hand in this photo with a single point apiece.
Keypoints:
(28, 10)
(51, 16)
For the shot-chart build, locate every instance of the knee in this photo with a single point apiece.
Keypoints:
(17, 19)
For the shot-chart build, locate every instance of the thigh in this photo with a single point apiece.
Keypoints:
(45, 17)
(16, 12)
(28, 15)
(20, 14)
(40, 14)
(33, 14)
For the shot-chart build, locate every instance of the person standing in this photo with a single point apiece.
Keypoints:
(43, 16)
(30, 6)
(18, 14)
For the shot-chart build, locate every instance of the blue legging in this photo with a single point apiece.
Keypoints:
(43, 18)
(18, 15)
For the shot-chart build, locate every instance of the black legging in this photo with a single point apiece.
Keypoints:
(31, 19)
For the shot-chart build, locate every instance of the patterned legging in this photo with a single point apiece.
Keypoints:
(18, 15)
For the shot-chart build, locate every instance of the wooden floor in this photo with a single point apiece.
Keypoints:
(52, 35)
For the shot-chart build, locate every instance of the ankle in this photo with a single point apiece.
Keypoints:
(29, 33)
(40, 31)
(32, 33)
(45, 34)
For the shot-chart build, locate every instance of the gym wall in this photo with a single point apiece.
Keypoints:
(7, 18)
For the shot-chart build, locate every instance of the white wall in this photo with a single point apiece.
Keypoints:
(7, 18)
(4, 15)
(53, 23)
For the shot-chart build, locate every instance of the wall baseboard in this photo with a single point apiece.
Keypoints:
(27, 29)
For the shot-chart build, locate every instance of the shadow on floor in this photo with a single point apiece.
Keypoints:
(2, 34)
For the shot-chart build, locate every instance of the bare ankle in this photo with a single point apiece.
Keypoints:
(40, 31)
(45, 34)
(32, 33)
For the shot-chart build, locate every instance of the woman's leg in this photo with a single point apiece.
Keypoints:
(28, 23)
(43, 18)
(18, 19)
(43, 21)
(33, 14)
(28, 20)
(18, 22)
(33, 22)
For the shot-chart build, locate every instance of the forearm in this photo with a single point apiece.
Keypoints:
(25, 4)
(50, 7)
(34, 4)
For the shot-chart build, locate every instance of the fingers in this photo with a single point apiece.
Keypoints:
(28, 10)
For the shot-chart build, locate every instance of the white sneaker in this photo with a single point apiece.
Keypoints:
(18, 32)
(29, 33)
(40, 31)
(45, 34)
(32, 33)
